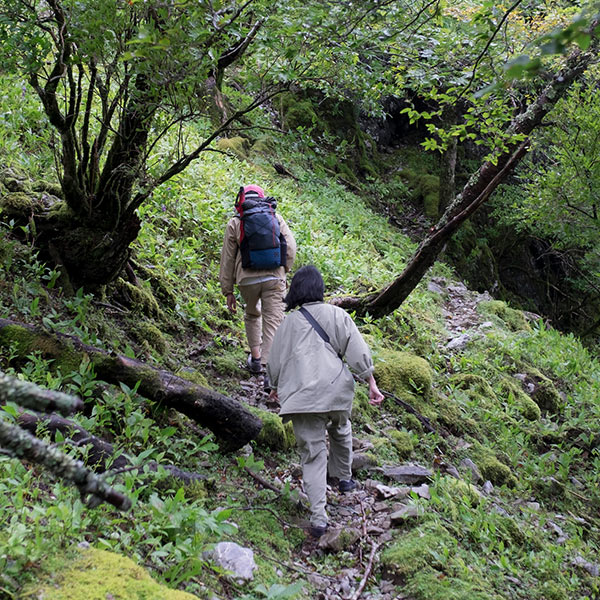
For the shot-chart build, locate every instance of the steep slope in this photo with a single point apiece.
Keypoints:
(498, 502)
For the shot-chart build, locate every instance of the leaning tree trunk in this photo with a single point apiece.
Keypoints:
(233, 425)
(477, 191)
(430, 248)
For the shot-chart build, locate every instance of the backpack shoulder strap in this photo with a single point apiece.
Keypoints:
(315, 324)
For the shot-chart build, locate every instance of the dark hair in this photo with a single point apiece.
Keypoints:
(307, 286)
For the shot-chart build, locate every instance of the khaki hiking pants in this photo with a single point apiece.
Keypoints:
(263, 313)
(310, 430)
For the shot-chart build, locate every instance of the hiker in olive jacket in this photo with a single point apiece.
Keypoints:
(262, 290)
(315, 387)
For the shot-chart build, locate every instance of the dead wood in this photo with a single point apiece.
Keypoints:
(233, 425)
(368, 570)
(262, 481)
(100, 454)
(425, 422)
(29, 395)
(93, 489)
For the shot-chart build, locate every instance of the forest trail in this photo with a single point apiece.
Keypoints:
(363, 521)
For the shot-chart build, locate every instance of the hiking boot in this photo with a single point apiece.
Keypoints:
(347, 485)
(253, 364)
(317, 531)
(266, 383)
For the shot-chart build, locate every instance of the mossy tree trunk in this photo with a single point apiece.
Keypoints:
(110, 98)
(448, 165)
(92, 241)
(475, 193)
(233, 425)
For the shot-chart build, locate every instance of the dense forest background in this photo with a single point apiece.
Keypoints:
(436, 161)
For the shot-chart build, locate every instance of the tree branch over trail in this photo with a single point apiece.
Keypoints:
(233, 425)
(475, 193)
(184, 161)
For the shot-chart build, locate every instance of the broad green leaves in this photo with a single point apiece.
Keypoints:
(483, 59)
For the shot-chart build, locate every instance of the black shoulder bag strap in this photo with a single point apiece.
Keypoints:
(322, 333)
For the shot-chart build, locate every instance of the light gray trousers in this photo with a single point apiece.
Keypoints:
(310, 430)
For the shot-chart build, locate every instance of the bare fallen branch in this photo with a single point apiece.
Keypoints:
(425, 422)
(29, 395)
(100, 455)
(93, 489)
(369, 568)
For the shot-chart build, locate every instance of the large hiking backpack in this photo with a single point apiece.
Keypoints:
(262, 245)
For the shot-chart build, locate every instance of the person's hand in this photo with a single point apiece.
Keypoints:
(375, 396)
(231, 303)
(273, 397)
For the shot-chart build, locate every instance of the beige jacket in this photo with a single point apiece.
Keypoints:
(231, 270)
(308, 374)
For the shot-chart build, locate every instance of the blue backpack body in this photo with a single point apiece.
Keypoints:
(262, 245)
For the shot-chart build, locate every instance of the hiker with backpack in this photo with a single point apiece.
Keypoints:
(315, 387)
(258, 250)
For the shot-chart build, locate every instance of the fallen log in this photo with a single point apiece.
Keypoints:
(233, 425)
(100, 452)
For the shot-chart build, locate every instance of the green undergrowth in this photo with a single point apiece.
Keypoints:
(519, 401)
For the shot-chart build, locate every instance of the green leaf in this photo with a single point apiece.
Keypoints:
(223, 515)
(129, 352)
(583, 40)
(11, 410)
(552, 46)
(168, 432)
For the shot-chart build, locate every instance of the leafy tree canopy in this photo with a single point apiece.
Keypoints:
(116, 77)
